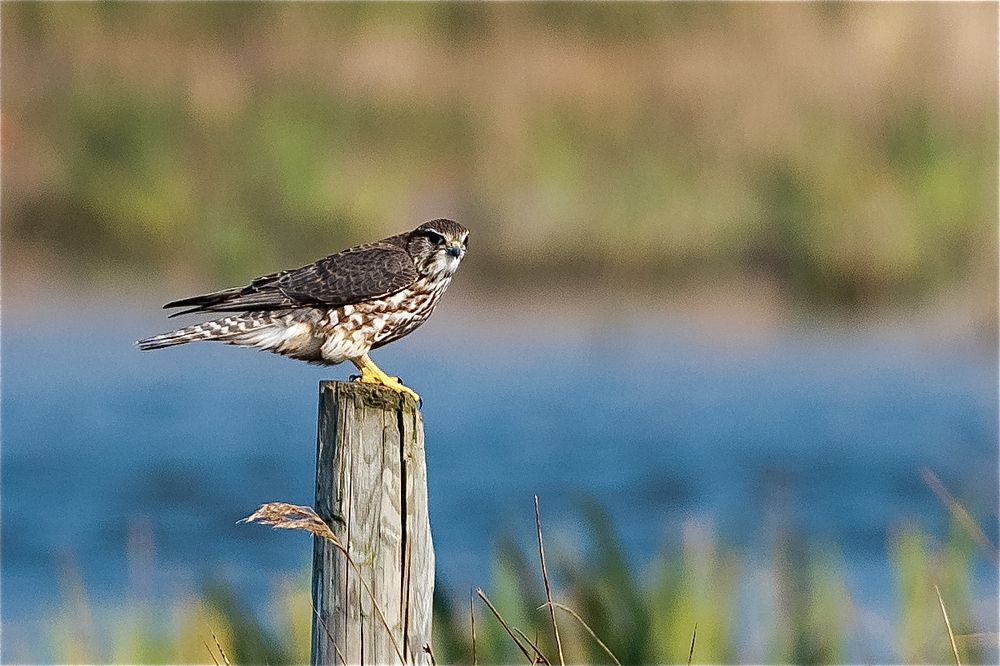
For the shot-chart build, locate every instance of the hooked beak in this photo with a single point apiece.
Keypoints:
(454, 249)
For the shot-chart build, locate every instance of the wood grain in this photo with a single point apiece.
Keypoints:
(371, 488)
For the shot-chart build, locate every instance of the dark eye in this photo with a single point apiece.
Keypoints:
(433, 236)
(466, 243)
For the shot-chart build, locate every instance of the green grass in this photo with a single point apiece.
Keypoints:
(793, 607)
(662, 144)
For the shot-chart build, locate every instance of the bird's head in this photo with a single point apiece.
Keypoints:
(438, 247)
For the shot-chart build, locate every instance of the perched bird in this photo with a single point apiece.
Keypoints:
(338, 308)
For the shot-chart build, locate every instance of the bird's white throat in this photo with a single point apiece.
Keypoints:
(443, 265)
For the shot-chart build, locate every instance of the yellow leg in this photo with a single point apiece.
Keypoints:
(372, 374)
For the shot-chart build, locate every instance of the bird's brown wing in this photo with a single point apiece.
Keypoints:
(354, 275)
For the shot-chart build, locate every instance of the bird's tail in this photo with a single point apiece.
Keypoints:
(225, 329)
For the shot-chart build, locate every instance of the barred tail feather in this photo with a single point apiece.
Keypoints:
(219, 329)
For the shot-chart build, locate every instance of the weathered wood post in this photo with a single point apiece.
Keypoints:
(371, 488)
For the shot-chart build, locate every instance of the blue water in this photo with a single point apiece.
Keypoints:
(823, 431)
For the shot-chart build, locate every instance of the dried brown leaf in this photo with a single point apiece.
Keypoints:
(291, 517)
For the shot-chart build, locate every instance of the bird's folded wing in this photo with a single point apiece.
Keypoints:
(354, 275)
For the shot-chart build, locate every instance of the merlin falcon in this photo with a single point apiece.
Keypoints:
(338, 308)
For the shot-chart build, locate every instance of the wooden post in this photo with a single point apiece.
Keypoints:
(371, 488)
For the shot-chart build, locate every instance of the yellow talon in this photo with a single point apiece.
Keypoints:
(372, 374)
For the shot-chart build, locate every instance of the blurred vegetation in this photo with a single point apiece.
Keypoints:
(846, 153)
(794, 607)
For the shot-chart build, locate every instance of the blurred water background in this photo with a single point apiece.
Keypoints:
(732, 272)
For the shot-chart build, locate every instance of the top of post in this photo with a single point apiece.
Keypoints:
(369, 395)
